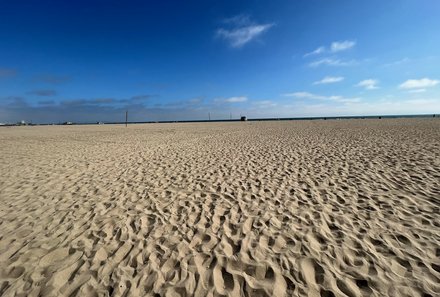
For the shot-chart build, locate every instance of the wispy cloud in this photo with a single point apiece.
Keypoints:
(88, 102)
(398, 62)
(317, 51)
(304, 95)
(43, 93)
(336, 46)
(339, 46)
(419, 83)
(13, 109)
(238, 20)
(231, 99)
(307, 95)
(265, 103)
(195, 101)
(329, 80)
(137, 99)
(368, 84)
(241, 30)
(332, 62)
(367, 107)
(417, 91)
(7, 72)
(13, 101)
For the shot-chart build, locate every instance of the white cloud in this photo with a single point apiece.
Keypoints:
(238, 20)
(331, 62)
(241, 31)
(368, 84)
(368, 108)
(231, 99)
(307, 95)
(237, 99)
(329, 80)
(339, 46)
(423, 101)
(344, 99)
(317, 51)
(336, 46)
(417, 91)
(419, 83)
(303, 95)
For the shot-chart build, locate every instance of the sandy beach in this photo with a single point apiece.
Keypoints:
(286, 208)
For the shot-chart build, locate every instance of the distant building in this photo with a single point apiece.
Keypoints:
(67, 123)
(243, 119)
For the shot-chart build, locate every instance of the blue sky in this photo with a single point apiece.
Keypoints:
(89, 61)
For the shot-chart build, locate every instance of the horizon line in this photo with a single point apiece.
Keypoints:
(376, 116)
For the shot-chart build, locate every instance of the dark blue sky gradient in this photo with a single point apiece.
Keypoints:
(170, 53)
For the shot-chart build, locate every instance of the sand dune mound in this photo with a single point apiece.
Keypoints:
(301, 208)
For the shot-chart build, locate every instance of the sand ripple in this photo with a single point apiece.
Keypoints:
(312, 208)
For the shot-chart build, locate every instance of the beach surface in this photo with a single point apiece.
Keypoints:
(282, 208)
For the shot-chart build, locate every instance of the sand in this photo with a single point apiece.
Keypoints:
(287, 208)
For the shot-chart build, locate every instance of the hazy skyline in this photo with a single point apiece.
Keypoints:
(88, 61)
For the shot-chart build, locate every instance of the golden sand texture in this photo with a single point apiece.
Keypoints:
(294, 208)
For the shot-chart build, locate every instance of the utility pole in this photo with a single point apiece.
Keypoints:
(126, 118)
(230, 116)
(209, 116)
